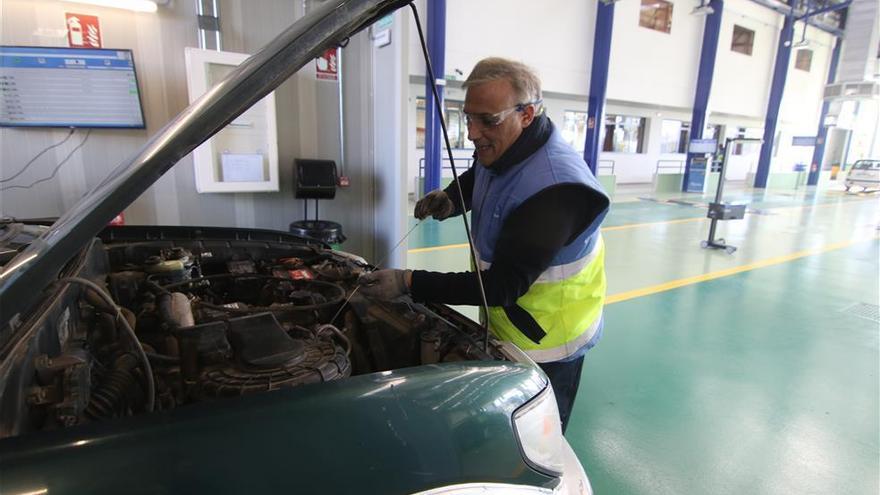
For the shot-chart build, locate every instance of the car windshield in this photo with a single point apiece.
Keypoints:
(867, 165)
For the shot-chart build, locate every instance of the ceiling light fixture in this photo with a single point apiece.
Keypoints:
(135, 5)
(703, 9)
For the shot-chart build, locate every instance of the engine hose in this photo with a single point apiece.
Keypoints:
(338, 333)
(148, 369)
(108, 400)
(163, 358)
(336, 292)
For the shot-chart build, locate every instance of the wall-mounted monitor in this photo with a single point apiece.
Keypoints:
(69, 87)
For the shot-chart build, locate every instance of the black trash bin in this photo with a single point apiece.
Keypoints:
(329, 232)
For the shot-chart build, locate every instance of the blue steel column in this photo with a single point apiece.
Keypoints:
(780, 72)
(822, 132)
(437, 50)
(598, 81)
(704, 79)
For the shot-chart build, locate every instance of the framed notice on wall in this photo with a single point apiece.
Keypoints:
(243, 156)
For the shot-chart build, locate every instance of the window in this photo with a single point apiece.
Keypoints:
(716, 132)
(420, 123)
(624, 134)
(455, 125)
(743, 39)
(454, 114)
(866, 164)
(804, 59)
(574, 129)
(656, 15)
(747, 148)
(674, 135)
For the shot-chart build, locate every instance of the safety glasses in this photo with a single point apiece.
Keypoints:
(488, 120)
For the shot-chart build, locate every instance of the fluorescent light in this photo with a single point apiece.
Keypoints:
(135, 5)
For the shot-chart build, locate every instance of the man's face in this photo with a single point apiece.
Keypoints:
(488, 99)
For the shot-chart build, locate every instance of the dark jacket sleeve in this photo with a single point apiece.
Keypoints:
(466, 180)
(530, 238)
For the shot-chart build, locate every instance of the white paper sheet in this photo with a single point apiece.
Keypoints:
(242, 167)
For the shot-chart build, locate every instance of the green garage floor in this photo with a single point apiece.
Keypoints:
(755, 372)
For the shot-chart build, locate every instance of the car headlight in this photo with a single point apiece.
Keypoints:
(539, 432)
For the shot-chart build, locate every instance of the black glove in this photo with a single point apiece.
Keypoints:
(436, 204)
(384, 284)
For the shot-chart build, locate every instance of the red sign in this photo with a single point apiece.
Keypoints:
(302, 274)
(118, 219)
(326, 67)
(83, 31)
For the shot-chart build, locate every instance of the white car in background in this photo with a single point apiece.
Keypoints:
(865, 173)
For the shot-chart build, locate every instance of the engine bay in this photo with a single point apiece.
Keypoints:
(217, 319)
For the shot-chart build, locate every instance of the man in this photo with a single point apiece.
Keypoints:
(536, 210)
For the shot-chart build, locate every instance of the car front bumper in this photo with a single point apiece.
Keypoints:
(574, 478)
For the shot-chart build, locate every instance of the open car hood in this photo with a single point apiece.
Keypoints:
(23, 278)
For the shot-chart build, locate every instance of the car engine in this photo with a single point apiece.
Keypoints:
(218, 320)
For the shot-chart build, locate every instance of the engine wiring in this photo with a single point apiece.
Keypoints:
(333, 299)
(376, 267)
(148, 369)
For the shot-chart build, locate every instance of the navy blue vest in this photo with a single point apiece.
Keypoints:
(560, 316)
(496, 195)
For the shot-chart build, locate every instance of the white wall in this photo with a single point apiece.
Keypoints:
(306, 110)
(802, 102)
(553, 36)
(741, 84)
(654, 67)
(154, 39)
(650, 72)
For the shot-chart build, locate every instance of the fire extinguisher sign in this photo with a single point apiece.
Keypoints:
(326, 66)
(83, 31)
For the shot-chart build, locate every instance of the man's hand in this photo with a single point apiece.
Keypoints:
(385, 284)
(436, 204)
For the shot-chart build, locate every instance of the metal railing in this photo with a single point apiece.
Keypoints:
(466, 160)
(600, 167)
(669, 167)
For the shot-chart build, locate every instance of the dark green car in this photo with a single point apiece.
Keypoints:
(184, 359)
